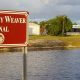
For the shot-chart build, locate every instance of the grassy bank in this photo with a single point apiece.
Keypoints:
(49, 43)
(68, 41)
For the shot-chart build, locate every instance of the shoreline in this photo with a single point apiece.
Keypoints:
(3, 50)
(40, 44)
(52, 48)
(46, 44)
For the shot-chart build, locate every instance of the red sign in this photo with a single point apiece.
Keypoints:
(13, 28)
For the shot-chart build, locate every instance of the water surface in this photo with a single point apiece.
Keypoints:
(54, 65)
(41, 65)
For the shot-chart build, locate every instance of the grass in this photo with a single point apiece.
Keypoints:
(68, 40)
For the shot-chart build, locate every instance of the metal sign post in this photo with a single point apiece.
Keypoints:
(25, 64)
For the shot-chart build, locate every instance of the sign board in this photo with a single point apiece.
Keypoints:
(13, 28)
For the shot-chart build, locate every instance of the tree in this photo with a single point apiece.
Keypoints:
(42, 27)
(59, 25)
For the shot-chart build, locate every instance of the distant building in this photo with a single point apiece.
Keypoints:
(75, 30)
(34, 29)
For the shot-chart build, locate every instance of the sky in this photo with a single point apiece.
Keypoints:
(45, 9)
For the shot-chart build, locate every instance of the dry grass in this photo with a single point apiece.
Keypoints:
(68, 40)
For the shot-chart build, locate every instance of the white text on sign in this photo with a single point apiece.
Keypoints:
(10, 19)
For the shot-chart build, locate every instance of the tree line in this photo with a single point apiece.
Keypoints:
(56, 26)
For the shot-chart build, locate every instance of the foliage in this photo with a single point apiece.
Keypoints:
(42, 23)
(58, 25)
(42, 27)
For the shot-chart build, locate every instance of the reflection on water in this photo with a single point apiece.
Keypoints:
(41, 65)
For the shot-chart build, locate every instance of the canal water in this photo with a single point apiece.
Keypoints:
(41, 65)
